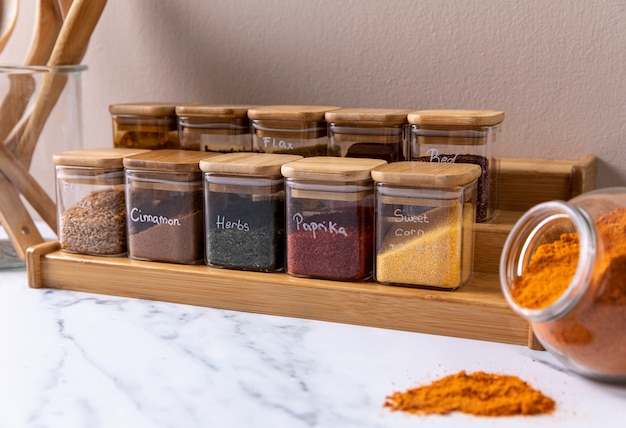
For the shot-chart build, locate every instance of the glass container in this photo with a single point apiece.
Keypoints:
(214, 128)
(244, 197)
(330, 217)
(461, 136)
(164, 206)
(368, 133)
(145, 125)
(563, 268)
(425, 224)
(91, 210)
(288, 129)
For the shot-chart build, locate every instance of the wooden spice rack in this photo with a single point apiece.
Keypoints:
(476, 311)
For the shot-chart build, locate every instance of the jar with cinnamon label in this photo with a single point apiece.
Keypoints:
(145, 125)
(563, 268)
(214, 128)
(425, 223)
(244, 197)
(290, 129)
(164, 205)
(91, 209)
(330, 217)
(368, 132)
(461, 136)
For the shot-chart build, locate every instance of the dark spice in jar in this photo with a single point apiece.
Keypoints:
(95, 225)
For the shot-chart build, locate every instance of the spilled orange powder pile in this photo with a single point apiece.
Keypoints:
(478, 393)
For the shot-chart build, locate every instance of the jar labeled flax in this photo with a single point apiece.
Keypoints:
(91, 212)
(563, 268)
(330, 217)
(164, 206)
(245, 211)
(424, 223)
(288, 129)
(145, 125)
(214, 128)
(368, 133)
(460, 136)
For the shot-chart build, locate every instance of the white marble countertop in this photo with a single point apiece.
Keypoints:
(73, 359)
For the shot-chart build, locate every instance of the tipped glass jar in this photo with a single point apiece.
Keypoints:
(563, 268)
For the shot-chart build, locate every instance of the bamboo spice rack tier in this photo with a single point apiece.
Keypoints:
(476, 311)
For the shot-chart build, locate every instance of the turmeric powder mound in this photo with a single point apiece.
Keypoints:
(549, 273)
(478, 393)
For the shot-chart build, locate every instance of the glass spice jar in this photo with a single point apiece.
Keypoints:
(214, 128)
(164, 205)
(91, 212)
(563, 268)
(330, 217)
(289, 129)
(460, 136)
(425, 223)
(368, 133)
(244, 197)
(145, 125)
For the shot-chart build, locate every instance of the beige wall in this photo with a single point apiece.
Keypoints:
(557, 68)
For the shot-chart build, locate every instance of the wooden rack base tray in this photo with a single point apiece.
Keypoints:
(476, 311)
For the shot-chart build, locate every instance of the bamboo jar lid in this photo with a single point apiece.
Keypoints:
(143, 109)
(247, 164)
(99, 158)
(214, 111)
(329, 168)
(290, 112)
(168, 160)
(455, 118)
(426, 174)
(367, 116)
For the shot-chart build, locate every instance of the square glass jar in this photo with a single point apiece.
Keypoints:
(145, 125)
(214, 128)
(289, 129)
(425, 224)
(461, 136)
(330, 217)
(164, 206)
(91, 210)
(368, 133)
(244, 207)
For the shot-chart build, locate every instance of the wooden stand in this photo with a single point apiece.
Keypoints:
(476, 311)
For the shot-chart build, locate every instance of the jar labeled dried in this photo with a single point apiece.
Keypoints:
(164, 206)
(563, 268)
(245, 211)
(425, 223)
(368, 133)
(214, 128)
(289, 129)
(91, 212)
(330, 217)
(145, 125)
(460, 136)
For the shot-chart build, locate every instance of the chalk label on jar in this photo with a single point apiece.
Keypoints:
(277, 144)
(434, 157)
(222, 223)
(322, 226)
(137, 216)
(401, 217)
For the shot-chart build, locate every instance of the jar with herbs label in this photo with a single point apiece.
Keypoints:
(145, 125)
(91, 211)
(245, 211)
(289, 129)
(330, 217)
(563, 268)
(214, 128)
(425, 224)
(368, 133)
(461, 136)
(164, 206)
